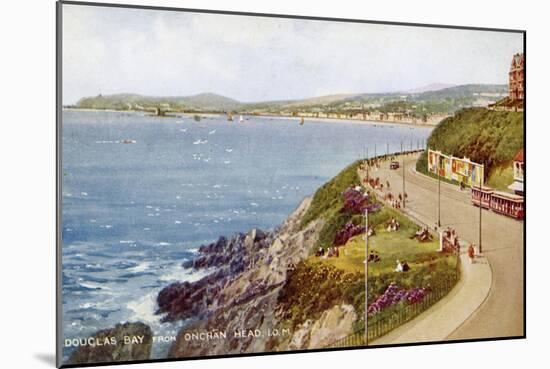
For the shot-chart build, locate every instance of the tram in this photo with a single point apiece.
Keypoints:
(500, 202)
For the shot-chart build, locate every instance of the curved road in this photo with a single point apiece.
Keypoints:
(501, 314)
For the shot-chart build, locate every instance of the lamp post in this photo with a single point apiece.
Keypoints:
(480, 194)
(366, 276)
(438, 195)
(481, 177)
(403, 159)
(368, 164)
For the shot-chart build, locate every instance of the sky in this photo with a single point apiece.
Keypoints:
(163, 53)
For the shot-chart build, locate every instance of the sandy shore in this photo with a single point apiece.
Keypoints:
(282, 117)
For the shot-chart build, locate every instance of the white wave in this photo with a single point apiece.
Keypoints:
(200, 142)
(141, 267)
(228, 150)
(177, 221)
(177, 273)
(105, 142)
(84, 194)
(227, 162)
(100, 305)
(162, 244)
(254, 204)
(126, 241)
(212, 132)
(94, 286)
(144, 309)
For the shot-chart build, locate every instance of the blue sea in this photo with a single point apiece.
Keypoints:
(140, 194)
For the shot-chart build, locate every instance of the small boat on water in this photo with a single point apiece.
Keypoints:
(128, 141)
(241, 119)
(230, 117)
(197, 118)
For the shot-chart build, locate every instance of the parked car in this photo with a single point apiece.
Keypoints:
(394, 165)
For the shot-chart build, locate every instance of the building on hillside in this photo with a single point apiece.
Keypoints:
(516, 87)
(516, 78)
(519, 175)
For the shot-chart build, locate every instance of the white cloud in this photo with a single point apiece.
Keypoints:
(109, 50)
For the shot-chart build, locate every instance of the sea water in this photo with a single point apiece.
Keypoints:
(141, 193)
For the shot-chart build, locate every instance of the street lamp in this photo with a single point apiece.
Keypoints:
(403, 159)
(481, 178)
(366, 275)
(480, 194)
(438, 195)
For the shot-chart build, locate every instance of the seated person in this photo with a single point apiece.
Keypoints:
(399, 267)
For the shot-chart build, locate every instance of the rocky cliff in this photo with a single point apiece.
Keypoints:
(242, 294)
(124, 342)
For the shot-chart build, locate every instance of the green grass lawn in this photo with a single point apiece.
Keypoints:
(391, 246)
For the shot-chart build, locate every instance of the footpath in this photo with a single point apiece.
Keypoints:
(447, 315)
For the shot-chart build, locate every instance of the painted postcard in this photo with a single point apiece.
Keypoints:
(234, 184)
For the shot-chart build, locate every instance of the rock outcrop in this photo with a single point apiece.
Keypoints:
(242, 293)
(124, 342)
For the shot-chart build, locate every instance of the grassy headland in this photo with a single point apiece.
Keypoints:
(319, 282)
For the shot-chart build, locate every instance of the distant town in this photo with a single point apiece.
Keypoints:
(425, 106)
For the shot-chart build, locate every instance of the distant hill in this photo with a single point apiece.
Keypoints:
(426, 100)
(463, 91)
(205, 101)
(430, 87)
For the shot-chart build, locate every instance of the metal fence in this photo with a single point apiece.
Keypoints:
(379, 327)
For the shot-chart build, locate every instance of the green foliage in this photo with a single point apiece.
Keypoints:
(315, 287)
(488, 137)
(501, 177)
(328, 200)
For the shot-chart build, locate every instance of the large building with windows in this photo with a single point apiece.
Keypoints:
(516, 78)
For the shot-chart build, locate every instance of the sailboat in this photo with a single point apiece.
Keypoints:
(241, 119)
(301, 121)
(229, 117)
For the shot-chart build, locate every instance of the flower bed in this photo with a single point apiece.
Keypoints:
(394, 295)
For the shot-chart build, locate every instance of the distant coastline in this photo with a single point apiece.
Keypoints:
(275, 116)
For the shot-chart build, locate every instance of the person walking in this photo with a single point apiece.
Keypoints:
(471, 253)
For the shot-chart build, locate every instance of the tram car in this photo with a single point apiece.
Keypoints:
(482, 195)
(500, 202)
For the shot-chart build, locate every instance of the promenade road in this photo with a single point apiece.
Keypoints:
(501, 314)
